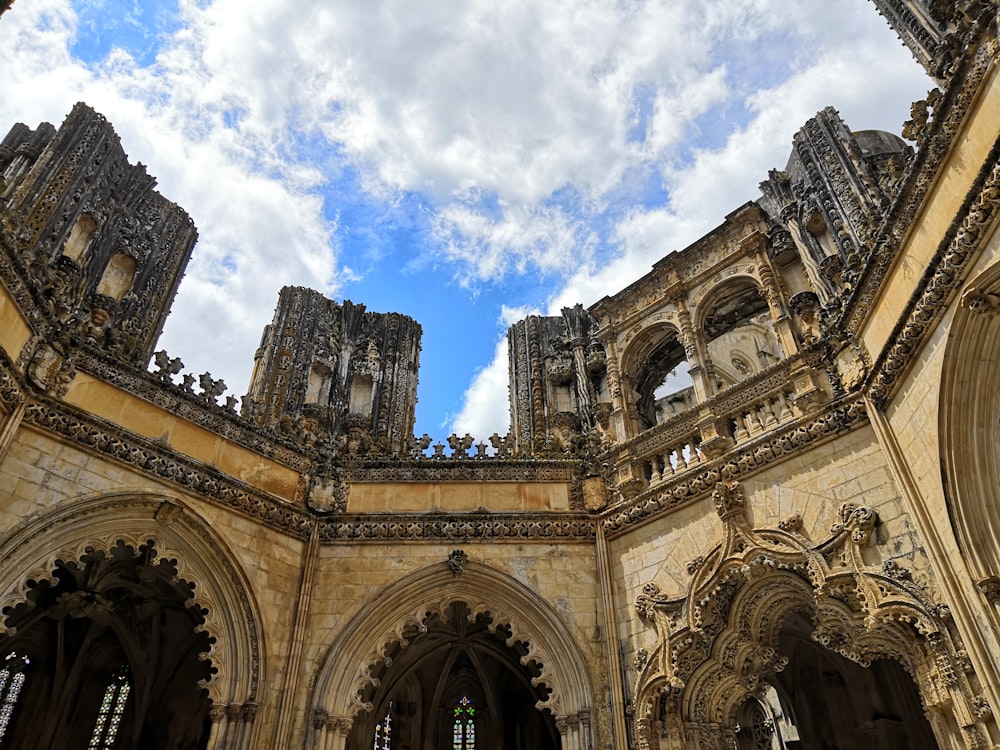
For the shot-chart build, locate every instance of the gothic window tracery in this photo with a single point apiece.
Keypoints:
(464, 728)
(109, 717)
(756, 729)
(12, 678)
(383, 731)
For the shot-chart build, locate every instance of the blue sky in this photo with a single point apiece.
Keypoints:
(464, 163)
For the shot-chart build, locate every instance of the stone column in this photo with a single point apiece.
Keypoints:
(585, 740)
(234, 714)
(584, 388)
(340, 727)
(615, 390)
(9, 427)
(320, 718)
(696, 352)
(248, 715)
(216, 736)
(562, 724)
(775, 302)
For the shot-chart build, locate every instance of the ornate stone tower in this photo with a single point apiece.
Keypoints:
(326, 369)
(97, 252)
(557, 374)
(826, 203)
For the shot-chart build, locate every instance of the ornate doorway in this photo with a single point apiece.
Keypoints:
(778, 633)
(834, 703)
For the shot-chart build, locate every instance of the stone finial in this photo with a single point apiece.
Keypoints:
(857, 520)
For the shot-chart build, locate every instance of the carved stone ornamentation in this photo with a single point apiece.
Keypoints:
(51, 371)
(457, 561)
(981, 303)
(729, 499)
(990, 586)
(856, 520)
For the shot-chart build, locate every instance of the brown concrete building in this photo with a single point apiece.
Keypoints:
(798, 548)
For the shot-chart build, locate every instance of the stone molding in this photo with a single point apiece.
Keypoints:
(802, 434)
(98, 436)
(941, 279)
(935, 138)
(192, 407)
(466, 527)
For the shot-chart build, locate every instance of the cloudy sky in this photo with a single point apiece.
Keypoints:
(465, 162)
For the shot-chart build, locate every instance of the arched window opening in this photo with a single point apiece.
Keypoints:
(464, 728)
(109, 716)
(739, 333)
(756, 729)
(117, 277)
(80, 236)
(383, 731)
(12, 678)
(662, 383)
(76, 626)
(850, 706)
(457, 685)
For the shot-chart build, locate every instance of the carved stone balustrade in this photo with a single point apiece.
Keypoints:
(769, 401)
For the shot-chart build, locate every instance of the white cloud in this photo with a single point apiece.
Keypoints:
(485, 407)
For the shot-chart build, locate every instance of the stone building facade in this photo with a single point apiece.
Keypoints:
(752, 500)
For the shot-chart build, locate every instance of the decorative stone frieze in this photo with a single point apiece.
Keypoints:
(942, 278)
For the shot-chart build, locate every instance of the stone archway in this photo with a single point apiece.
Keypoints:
(163, 537)
(970, 430)
(457, 682)
(121, 616)
(347, 686)
(721, 643)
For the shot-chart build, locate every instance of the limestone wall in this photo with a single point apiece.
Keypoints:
(814, 484)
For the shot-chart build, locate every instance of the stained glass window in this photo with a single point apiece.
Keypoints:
(463, 733)
(109, 718)
(383, 732)
(12, 678)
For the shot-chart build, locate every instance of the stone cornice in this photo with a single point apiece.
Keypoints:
(105, 439)
(935, 143)
(838, 418)
(448, 470)
(479, 526)
(940, 280)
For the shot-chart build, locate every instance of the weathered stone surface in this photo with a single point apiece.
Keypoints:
(637, 559)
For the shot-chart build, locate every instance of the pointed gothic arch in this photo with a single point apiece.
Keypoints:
(654, 358)
(376, 633)
(718, 644)
(181, 540)
(970, 430)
